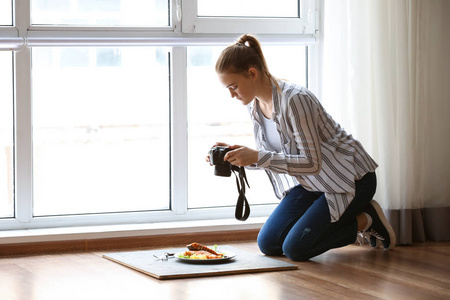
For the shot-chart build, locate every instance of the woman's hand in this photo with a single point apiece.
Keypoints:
(241, 156)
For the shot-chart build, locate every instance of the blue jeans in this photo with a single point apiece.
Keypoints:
(300, 226)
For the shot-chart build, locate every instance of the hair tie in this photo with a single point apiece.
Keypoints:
(246, 44)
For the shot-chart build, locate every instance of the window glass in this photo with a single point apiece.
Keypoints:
(248, 8)
(100, 12)
(213, 116)
(5, 12)
(100, 130)
(6, 136)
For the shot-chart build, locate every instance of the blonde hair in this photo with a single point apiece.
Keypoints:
(243, 55)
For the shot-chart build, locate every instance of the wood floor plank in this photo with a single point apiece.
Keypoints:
(353, 272)
(395, 272)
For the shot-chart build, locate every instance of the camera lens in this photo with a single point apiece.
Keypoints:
(223, 169)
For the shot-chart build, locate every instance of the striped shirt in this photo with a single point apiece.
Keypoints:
(315, 151)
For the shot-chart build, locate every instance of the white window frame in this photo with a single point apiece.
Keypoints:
(9, 38)
(23, 36)
(304, 24)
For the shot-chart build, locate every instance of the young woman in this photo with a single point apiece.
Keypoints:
(325, 178)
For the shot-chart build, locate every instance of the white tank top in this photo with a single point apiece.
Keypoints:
(272, 135)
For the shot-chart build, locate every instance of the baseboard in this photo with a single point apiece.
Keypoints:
(126, 243)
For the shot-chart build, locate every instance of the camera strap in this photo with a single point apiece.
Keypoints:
(242, 207)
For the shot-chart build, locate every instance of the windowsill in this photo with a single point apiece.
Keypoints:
(130, 230)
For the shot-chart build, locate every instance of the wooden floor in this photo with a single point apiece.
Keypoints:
(421, 271)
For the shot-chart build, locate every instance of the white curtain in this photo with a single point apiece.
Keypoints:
(385, 77)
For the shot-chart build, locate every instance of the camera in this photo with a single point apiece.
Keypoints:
(224, 168)
(221, 167)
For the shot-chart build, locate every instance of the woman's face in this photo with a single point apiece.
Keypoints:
(240, 86)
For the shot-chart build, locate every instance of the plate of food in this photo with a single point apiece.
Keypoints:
(197, 253)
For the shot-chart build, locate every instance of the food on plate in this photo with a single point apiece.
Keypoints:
(201, 254)
(198, 251)
(197, 246)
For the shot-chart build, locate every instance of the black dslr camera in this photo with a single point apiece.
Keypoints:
(221, 167)
(224, 168)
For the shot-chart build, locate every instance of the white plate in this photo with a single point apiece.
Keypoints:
(226, 257)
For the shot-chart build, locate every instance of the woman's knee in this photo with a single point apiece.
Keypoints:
(268, 246)
(292, 248)
(297, 255)
(298, 249)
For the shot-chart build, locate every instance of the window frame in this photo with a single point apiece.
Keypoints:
(9, 39)
(25, 36)
(304, 24)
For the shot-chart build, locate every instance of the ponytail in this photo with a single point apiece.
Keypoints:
(243, 55)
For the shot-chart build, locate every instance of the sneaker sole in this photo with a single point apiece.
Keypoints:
(378, 243)
(386, 224)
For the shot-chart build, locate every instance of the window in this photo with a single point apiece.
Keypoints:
(100, 131)
(109, 108)
(5, 12)
(248, 8)
(239, 16)
(6, 136)
(101, 12)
